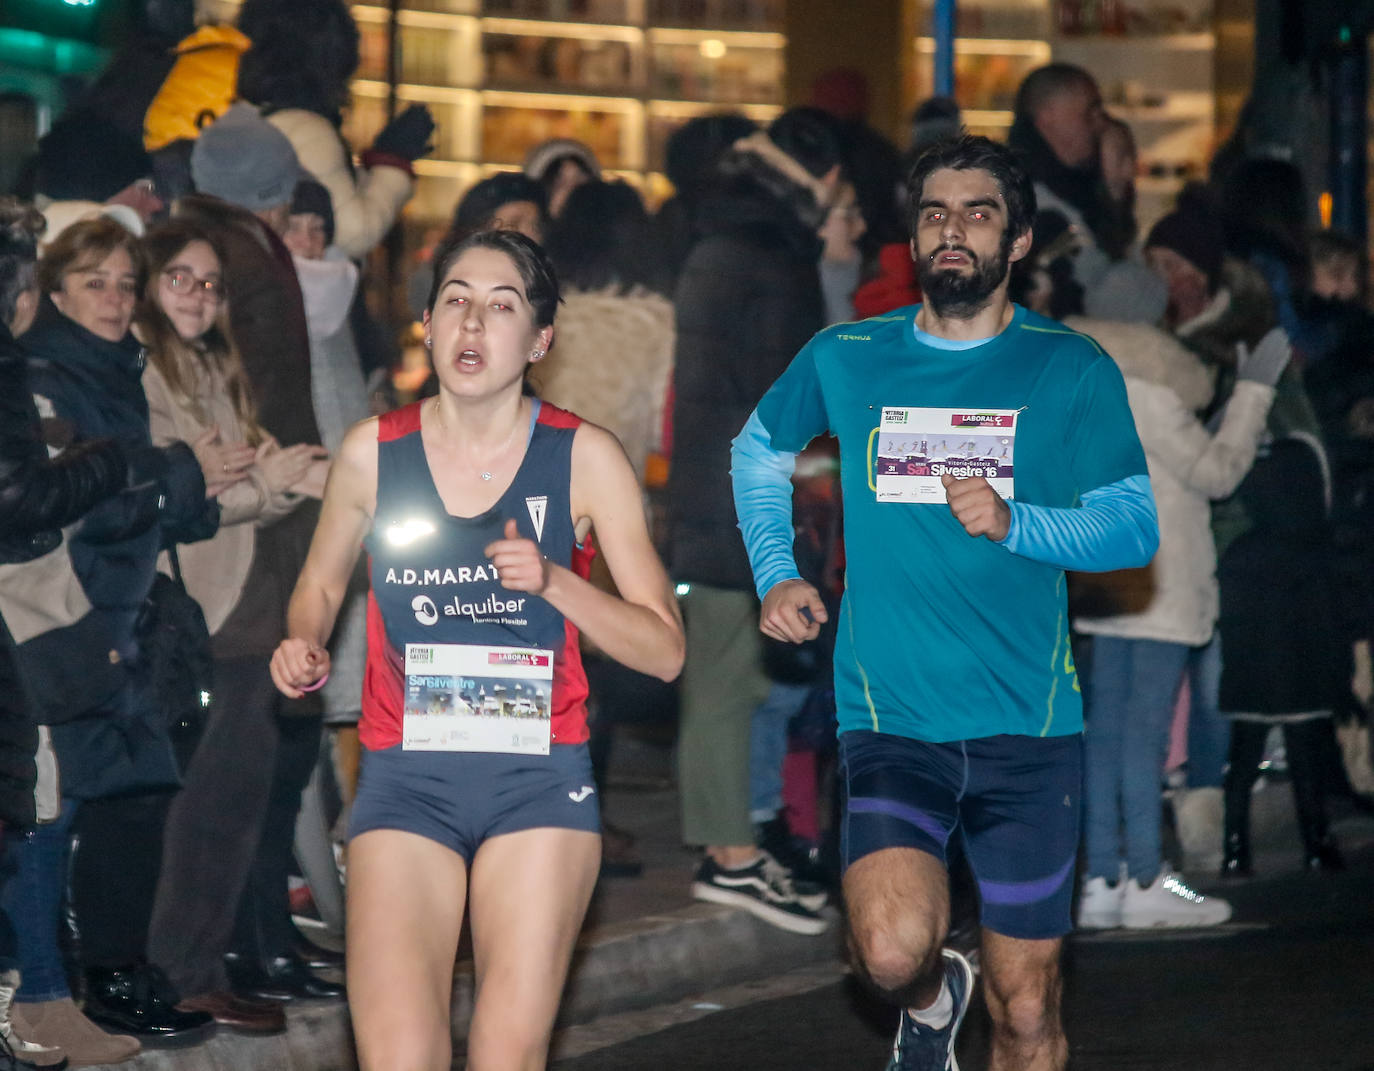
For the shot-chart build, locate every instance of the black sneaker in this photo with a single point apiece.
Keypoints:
(763, 888)
(923, 1048)
(800, 859)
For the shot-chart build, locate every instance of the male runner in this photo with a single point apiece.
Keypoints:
(977, 730)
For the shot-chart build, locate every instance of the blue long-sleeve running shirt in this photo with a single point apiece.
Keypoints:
(943, 636)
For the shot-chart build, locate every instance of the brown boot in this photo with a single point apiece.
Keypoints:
(60, 1024)
(12, 1043)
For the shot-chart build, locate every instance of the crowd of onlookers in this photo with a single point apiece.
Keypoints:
(184, 340)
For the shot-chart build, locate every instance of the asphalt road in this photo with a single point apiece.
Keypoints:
(1286, 986)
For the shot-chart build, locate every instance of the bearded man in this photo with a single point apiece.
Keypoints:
(984, 450)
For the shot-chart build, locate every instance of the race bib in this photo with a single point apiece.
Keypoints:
(912, 448)
(466, 697)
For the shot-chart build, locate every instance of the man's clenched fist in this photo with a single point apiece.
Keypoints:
(977, 507)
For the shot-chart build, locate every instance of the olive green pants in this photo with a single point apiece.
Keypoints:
(722, 682)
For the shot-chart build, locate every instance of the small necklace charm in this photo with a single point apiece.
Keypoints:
(486, 475)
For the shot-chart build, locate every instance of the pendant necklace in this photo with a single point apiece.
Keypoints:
(485, 474)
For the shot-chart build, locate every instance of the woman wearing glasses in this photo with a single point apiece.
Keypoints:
(198, 393)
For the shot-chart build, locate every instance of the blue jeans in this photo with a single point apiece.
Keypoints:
(1209, 734)
(768, 747)
(32, 898)
(1130, 703)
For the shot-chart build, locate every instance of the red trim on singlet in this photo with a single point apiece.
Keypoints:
(557, 418)
(398, 423)
(384, 685)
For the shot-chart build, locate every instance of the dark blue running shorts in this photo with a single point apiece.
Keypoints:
(459, 799)
(1015, 801)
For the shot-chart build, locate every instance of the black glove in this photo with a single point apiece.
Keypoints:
(407, 136)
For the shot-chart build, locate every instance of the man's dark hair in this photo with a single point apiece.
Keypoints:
(969, 152)
(808, 136)
(530, 260)
(1045, 83)
(303, 54)
(602, 239)
(485, 199)
(1327, 245)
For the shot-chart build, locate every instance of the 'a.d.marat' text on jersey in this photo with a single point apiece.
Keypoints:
(464, 574)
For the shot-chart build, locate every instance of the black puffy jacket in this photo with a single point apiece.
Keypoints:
(748, 298)
(38, 496)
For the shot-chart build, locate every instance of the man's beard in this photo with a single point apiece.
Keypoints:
(958, 294)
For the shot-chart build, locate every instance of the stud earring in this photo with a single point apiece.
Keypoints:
(428, 342)
(537, 355)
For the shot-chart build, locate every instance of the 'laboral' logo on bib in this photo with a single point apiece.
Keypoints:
(519, 658)
(537, 505)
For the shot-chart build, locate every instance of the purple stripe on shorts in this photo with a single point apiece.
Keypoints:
(918, 818)
(1025, 892)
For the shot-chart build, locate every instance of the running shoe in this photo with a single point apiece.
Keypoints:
(1169, 902)
(923, 1048)
(1099, 906)
(764, 888)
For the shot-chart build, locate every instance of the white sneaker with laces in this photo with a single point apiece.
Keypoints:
(1168, 901)
(1099, 906)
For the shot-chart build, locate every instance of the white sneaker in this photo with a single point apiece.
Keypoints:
(1099, 907)
(1167, 901)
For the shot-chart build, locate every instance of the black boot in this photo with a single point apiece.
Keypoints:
(280, 978)
(266, 970)
(1304, 764)
(1235, 843)
(1247, 745)
(69, 927)
(139, 1000)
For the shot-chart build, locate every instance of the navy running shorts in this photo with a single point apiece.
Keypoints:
(459, 799)
(1014, 800)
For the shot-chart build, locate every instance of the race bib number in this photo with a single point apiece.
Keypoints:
(914, 447)
(465, 697)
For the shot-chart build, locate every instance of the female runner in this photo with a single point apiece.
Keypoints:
(476, 788)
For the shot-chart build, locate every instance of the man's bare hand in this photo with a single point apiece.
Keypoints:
(785, 612)
(977, 507)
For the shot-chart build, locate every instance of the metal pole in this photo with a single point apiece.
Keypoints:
(943, 32)
(393, 56)
(394, 243)
(1349, 153)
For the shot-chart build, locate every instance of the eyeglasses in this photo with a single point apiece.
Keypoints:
(183, 282)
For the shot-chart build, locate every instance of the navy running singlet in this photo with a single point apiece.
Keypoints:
(432, 583)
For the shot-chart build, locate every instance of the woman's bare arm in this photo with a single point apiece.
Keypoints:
(642, 628)
(350, 499)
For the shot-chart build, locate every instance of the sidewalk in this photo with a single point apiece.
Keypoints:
(646, 942)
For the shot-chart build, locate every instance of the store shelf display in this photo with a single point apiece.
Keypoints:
(500, 76)
(1122, 18)
(521, 61)
(718, 14)
(712, 70)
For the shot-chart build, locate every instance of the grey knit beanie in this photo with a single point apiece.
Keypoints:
(243, 159)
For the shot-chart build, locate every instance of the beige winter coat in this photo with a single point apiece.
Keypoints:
(1174, 598)
(610, 362)
(366, 203)
(215, 570)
